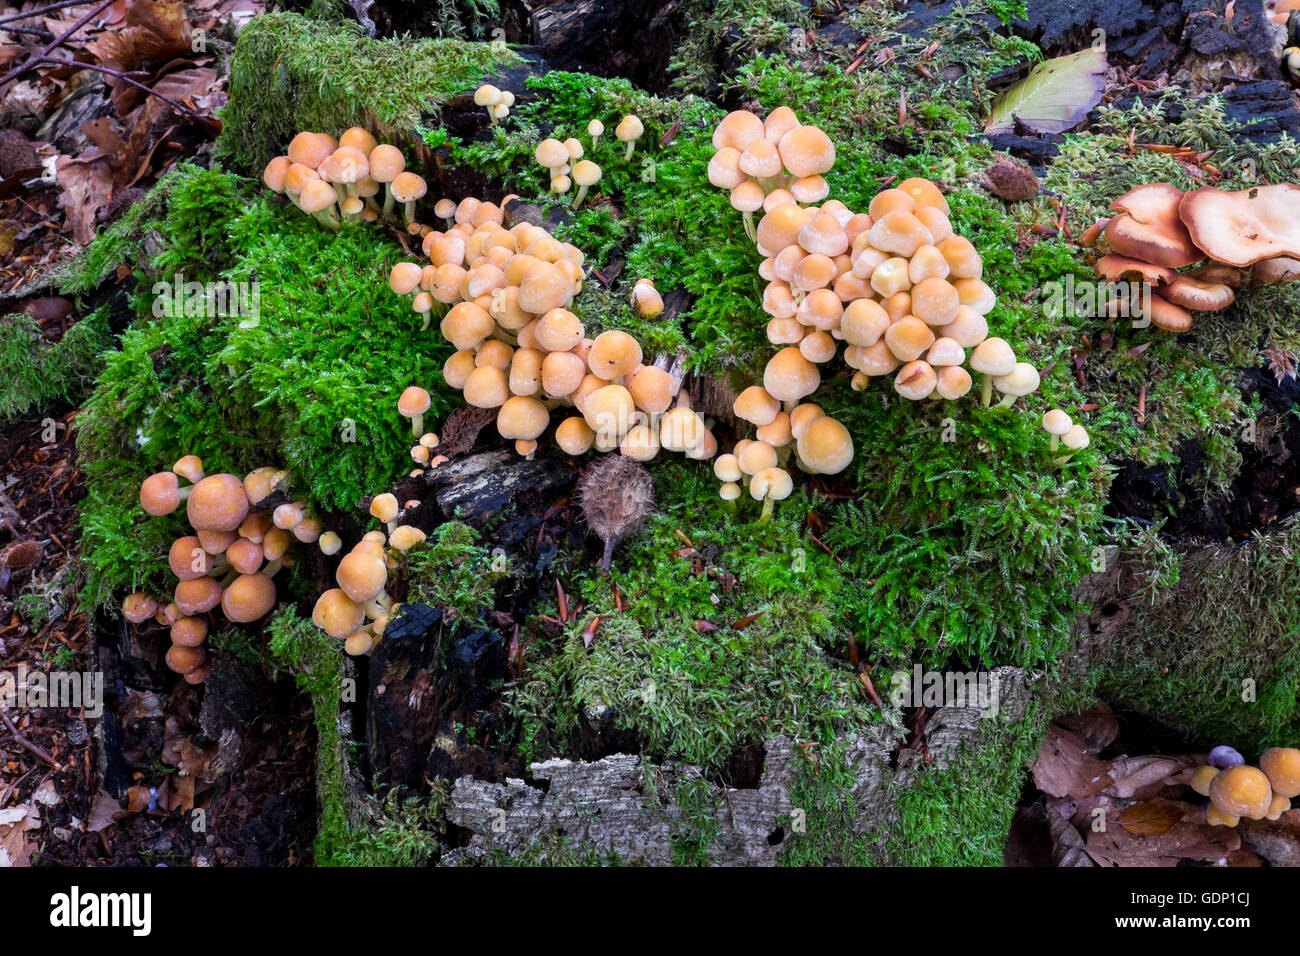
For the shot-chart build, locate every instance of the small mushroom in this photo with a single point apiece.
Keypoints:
(407, 189)
(139, 607)
(1241, 791)
(992, 358)
(1282, 767)
(628, 131)
(488, 96)
(594, 129)
(586, 174)
(413, 403)
(1056, 423)
(770, 486)
(317, 199)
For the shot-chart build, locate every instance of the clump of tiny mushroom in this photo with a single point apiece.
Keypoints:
(495, 102)
(243, 534)
(357, 611)
(326, 177)
(564, 163)
(1064, 431)
(895, 284)
(1238, 790)
(503, 294)
(1195, 250)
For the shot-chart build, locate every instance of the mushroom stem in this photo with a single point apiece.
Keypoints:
(750, 230)
(417, 420)
(492, 119)
(631, 145)
(378, 605)
(272, 567)
(582, 194)
(1063, 460)
(427, 315)
(986, 395)
(340, 192)
(388, 199)
(1007, 401)
(328, 218)
(370, 201)
(410, 212)
(1054, 444)
(769, 503)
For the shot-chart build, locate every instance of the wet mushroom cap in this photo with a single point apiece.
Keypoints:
(217, 503)
(160, 494)
(1076, 438)
(522, 417)
(613, 353)
(737, 130)
(197, 596)
(1241, 791)
(1197, 295)
(189, 631)
(994, 357)
(551, 154)
(185, 660)
(139, 607)
(825, 447)
(1056, 422)
(408, 187)
(806, 151)
(773, 482)
(386, 163)
(361, 575)
(1172, 318)
(248, 597)
(317, 195)
(1282, 767)
(1241, 228)
(1148, 227)
(310, 149)
(337, 614)
(1021, 380)
(789, 376)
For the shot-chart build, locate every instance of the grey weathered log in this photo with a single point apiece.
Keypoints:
(481, 485)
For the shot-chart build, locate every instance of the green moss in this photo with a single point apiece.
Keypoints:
(1213, 651)
(289, 73)
(722, 31)
(452, 570)
(695, 829)
(823, 792)
(312, 385)
(36, 374)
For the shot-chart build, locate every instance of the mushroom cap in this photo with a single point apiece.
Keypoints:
(487, 95)
(297, 177)
(863, 322)
(487, 387)
(522, 417)
(993, 356)
(613, 353)
(1021, 380)
(362, 574)
(789, 376)
(726, 468)
(544, 286)
(1241, 791)
(916, 380)
(641, 443)
(217, 503)
(1057, 422)
(1148, 227)
(682, 430)
(729, 491)
(1197, 295)
(909, 338)
(935, 301)
(1282, 767)
(1280, 269)
(559, 330)
(1172, 318)
(954, 382)
(189, 631)
(245, 556)
(337, 614)
(310, 149)
(924, 193)
(574, 435)
(774, 483)
(274, 173)
(405, 537)
(968, 329)
(724, 168)
(316, 196)
(945, 351)
(413, 401)
(404, 278)
(160, 494)
(823, 233)
(810, 189)
(386, 163)
(1115, 268)
(737, 130)
(652, 389)
(900, 233)
(760, 159)
(384, 507)
(185, 660)
(806, 151)
(595, 127)
(779, 122)
(197, 596)
(629, 128)
(1241, 228)
(139, 607)
(825, 447)
(562, 374)
(586, 173)
(777, 432)
(248, 597)
(747, 197)
(408, 187)
(346, 164)
(1202, 778)
(1076, 438)
(755, 405)
(466, 325)
(754, 456)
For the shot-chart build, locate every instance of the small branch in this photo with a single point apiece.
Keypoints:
(30, 31)
(55, 43)
(34, 748)
(41, 11)
(179, 107)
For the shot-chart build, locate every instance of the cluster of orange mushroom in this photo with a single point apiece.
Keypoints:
(230, 560)
(520, 350)
(1238, 790)
(357, 611)
(1195, 250)
(895, 284)
(326, 177)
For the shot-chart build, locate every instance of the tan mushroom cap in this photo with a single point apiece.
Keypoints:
(1115, 268)
(806, 151)
(682, 430)
(384, 507)
(361, 574)
(217, 503)
(773, 482)
(724, 168)
(629, 128)
(405, 537)
(404, 278)
(185, 660)
(1279, 269)
(729, 491)
(316, 196)
(1021, 380)
(189, 631)
(761, 159)
(1282, 767)
(1056, 422)
(408, 187)
(337, 614)
(953, 382)
(562, 374)
(1197, 295)
(726, 468)
(248, 597)
(139, 607)
(544, 286)
(197, 596)
(900, 233)
(863, 322)
(413, 401)
(994, 357)
(909, 338)
(245, 556)
(1148, 227)
(310, 149)
(586, 173)
(522, 417)
(345, 165)
(574, 435)
(756, 405)
(273, 175)
(386, 163)
(825, 447)
(487, 387)
(777, 432)
(1172, 318)
(924, 193)
(945, 351)
(466, 325)
(754, 456)
(613, 353)
(789, 376)
(737, 130)
(747, 197)
(160, 494)
(1076, 438)
(652, 389)
(916, 380)
(810, 189)
(1241, 791)
(1244, 227)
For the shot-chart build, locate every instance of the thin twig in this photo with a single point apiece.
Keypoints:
(34, 748)
(55, 43)
(179, 107)
(30, 31)
(41, 11)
